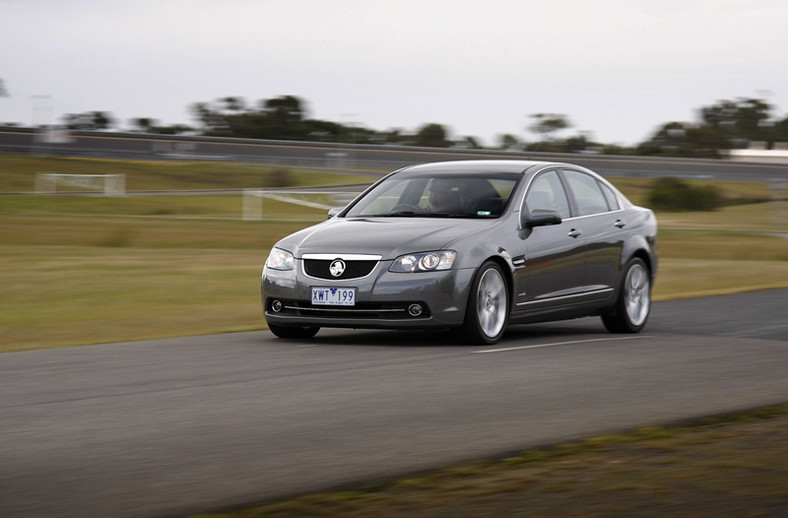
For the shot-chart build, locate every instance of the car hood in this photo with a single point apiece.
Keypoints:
(388, 237)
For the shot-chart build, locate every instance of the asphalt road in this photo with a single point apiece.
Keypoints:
(170, 427)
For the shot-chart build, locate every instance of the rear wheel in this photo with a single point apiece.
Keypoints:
(634, 300)
(488, 306)
(293, 332)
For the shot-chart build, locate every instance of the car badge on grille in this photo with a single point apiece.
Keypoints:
(337, 268)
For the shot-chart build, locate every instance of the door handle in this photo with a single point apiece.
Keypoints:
(575, 233)
(620, 224)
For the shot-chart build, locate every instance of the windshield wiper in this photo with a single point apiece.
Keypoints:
(412, 214)
(398, 214)
(448, 215)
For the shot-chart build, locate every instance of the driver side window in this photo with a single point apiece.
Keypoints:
(547, 193)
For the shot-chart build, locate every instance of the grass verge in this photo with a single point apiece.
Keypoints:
(732, 465)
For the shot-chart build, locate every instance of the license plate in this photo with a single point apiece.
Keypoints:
(334, 296)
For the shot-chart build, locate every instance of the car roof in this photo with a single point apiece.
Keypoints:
(475, 166)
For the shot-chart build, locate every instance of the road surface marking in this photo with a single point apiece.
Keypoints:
(537, 346)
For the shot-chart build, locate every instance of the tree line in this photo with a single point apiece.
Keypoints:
(724, 125)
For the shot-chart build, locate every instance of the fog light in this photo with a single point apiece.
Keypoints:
(276, 306)
(415, 310)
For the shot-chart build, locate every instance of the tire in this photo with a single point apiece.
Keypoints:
(293, 332)
(634, 300)
(488, 306)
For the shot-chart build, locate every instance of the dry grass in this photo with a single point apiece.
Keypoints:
(737, 466)
(71, 280)
(18, 172)
(62, 295)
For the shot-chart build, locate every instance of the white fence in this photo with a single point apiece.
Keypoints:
(253, 200)
(108, 184)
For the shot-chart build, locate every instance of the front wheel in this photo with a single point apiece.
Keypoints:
(488, 306)
(293, 332)
(634, 300)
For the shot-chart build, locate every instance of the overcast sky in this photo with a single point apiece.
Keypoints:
(617, 68)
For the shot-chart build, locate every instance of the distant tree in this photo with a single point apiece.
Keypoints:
(577, 144)
(96, 120)
(508, 141)
(780, 130)
(323, 131)
(202, 112)
(393, 136)
(548, 123)
(286, 110)
(467, 142)
(723, 125)
(175, 129)
(667, 141)
(3, 91)
(277, 118)
(212, 120)
(353, 134)
(704, 142)
(432, 135)
(144, 124)
(470, 143)
(102, 120)
(741, 118)
(685, 140)
(234, 104)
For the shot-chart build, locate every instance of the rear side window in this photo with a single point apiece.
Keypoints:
(587, 193)
(612, 201)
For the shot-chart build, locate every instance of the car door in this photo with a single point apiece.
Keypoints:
(551, 265)
(599, 217)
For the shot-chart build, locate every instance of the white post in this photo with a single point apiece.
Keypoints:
(252, 205)
(115, 184)
(44, 183)
(777, 188)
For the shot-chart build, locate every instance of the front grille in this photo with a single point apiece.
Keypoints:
(321, 268)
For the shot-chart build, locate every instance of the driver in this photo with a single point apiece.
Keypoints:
(444, 197)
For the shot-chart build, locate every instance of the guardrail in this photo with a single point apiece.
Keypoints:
(375, 159)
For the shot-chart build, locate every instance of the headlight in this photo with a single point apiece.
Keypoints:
(280, 259)
(424, 262)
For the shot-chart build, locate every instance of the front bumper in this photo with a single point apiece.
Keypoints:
(384, 300)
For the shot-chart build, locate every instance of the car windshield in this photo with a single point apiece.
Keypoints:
(444, 196)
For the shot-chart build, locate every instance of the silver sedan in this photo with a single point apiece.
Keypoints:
(468, 246)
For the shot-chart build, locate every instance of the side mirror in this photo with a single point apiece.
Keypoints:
(333, 212)
(541, 218)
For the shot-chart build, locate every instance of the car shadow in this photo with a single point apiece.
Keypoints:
(515, 335)
(376, 338)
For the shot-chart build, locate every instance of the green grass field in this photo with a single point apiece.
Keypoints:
(94, 269)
